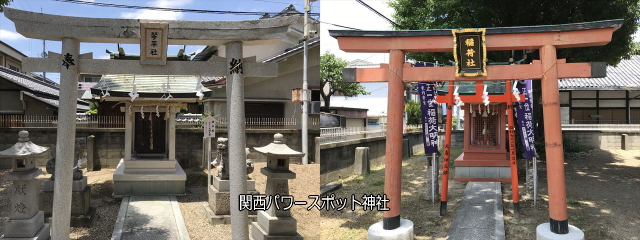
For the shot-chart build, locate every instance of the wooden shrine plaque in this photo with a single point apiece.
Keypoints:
(209, 127)
(153, 43)
(470, 52)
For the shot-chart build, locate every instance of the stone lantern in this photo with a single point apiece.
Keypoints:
(25, 218)
(277, 223)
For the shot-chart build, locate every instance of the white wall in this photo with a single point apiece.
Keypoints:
(278, 88)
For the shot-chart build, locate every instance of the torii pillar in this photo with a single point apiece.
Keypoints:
(548, 69)
(66, 136)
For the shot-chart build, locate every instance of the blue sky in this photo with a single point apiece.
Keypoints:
(33, 47)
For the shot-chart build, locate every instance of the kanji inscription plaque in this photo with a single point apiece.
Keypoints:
(153, 43)
(470, 52)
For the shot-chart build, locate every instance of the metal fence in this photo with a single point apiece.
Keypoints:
(329, 135)
(51, 121)
(602, 127)
(195, 121)
(601, 121)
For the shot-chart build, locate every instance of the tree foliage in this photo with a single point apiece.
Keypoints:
(447, 14)
(414, 114)
(93, 108)
(4, 3)
(331, 74)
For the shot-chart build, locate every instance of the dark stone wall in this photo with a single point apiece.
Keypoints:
(109, 143)
(338, 158)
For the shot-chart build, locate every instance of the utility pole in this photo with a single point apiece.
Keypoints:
(305, 91)
(44, 54)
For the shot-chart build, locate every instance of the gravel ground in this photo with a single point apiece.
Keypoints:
(307, 182)
(101, 190)
(601, 197)
(425, 216)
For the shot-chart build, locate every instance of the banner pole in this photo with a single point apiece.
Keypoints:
(209, 165)
(433, 178)
(535, 181)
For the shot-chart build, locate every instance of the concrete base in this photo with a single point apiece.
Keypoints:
(76, 185)
(482, 174)
(219, 200)
(543, 232)
(80, 202)
(223, 185)
(257, 233)
(405, 231)
(221, 219)
(43, 234)
(85, 220)
(22, 228)
(148, 183)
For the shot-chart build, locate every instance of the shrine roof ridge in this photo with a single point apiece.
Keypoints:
(613, 23)
(112, 30)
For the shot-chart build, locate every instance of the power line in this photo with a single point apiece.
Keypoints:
(100, 4)
(269, 1)
(379, 14)
(21, 6)
(29, 5)
(339, 25)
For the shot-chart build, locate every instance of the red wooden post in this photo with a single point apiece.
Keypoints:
(553, 142)
(512, 151)
(393, 165)
(447, 152)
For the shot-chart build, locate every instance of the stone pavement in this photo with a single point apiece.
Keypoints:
(479, 215)
(149, 217)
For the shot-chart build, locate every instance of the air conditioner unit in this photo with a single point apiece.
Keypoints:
(314, 107)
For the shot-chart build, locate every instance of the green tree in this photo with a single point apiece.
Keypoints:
(331, 74)
(4, 3)
(414, 114)
(93, 108)
(447, 14)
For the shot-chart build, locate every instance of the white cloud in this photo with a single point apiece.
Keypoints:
(104, 57)
(158, 15)
(7, 35)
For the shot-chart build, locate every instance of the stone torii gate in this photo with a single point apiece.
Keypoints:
(70, 63)
(546, 39)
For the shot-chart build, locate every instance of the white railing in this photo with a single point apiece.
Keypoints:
(601, 121)
(329, 135)
(183, 121)
(602, 127)
(51, 121)
(195, 121)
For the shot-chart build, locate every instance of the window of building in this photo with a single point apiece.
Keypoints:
(264, 110)
(91, 78)
(14, 68)
(604, 116)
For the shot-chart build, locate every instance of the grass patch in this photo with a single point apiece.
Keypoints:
(378, 182)
(573, 202)
(425, 215)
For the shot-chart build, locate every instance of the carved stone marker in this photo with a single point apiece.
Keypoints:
(218, 209)
(82, 214)
(26, 221)
(277, 223)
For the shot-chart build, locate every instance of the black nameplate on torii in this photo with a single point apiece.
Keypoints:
(470, 52)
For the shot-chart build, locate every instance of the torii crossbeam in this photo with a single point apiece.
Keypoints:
(546, 39)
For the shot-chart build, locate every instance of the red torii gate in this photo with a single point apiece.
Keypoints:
(546, 39)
